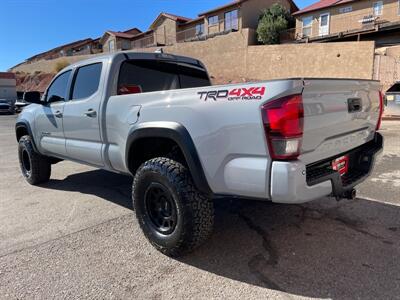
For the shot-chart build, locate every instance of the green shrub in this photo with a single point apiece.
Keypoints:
(272, 21)
(61, 64)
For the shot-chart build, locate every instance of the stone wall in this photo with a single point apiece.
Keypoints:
(229, 58)
(336, 60)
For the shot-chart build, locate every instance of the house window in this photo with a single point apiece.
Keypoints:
(307, 26)
(126, 45)
(111, 45)
(213, 20)
(199, 29)
(346, 9)
(378, 7)
(232, 20)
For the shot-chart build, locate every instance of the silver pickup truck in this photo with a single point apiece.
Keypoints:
(186, 143)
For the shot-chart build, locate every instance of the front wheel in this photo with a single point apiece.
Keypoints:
(174, 216)
(35, 167)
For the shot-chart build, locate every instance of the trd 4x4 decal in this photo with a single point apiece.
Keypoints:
(251, 93)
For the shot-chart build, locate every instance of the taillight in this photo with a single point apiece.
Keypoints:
(127, 89)
(283, 124)
(381, 105)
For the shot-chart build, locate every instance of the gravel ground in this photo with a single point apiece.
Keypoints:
(75, 237)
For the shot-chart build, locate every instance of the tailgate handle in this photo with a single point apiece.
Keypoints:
(354, 104)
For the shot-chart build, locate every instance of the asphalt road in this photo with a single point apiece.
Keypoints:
(75, 237)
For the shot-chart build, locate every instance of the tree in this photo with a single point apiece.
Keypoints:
(271, 22)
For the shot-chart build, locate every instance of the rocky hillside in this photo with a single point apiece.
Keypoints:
(38, 81)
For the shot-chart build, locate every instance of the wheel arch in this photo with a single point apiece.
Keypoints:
(180, 136)
(22, 128)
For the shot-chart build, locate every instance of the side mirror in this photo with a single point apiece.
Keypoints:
(32, 97)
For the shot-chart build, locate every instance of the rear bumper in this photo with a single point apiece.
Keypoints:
(294, 182)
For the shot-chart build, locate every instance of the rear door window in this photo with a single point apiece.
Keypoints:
(86, 81)
(144, 76)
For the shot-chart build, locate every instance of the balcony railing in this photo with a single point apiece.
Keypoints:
(144, 42)
(344, 23)
(222, 27)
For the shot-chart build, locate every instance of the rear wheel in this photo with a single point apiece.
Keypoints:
(174, 216)
(35, 167)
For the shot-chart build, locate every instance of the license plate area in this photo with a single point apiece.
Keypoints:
(341, 164)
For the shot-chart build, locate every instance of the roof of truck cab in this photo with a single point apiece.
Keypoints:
(133, 55)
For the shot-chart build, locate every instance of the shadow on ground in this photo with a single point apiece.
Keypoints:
(324, 249)
(109, 186)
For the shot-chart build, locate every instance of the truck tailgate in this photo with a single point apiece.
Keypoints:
(339, 115)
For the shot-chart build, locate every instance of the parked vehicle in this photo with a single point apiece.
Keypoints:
(7, 106)
(24, 99)
(155, 116)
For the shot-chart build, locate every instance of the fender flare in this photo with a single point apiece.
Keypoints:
(179, 134)
(25, 124)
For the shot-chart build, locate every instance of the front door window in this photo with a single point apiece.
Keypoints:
(324, 24)
(307, 26)
(378, 7)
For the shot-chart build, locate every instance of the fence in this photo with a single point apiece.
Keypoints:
(387, 70)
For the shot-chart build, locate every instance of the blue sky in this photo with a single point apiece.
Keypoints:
(28, 27)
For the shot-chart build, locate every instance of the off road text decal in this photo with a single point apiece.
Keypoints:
(252, 93)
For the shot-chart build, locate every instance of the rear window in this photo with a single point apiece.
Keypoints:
(150, 76)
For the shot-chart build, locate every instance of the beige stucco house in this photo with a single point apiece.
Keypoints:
(328, 20)
(230, 17)
(162, 32)
(116, 40)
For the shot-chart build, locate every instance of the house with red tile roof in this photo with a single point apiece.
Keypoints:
(81, 47)
(349, 20)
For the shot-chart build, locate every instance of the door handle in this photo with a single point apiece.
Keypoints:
(90, 113)
(58, 114)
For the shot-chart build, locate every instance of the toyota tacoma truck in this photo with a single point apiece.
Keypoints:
(186, 143)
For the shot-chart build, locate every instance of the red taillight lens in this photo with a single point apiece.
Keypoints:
(381, 106)
(283, 123)
(127, 89)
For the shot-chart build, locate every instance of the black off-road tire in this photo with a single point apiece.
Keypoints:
(35, 167)
(194, 210)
